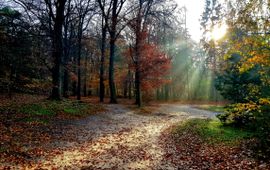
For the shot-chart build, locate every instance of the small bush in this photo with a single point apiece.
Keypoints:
(240, 114)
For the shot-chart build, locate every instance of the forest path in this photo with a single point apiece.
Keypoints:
(116, 139)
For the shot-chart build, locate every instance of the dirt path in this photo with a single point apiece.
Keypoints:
(116, 139)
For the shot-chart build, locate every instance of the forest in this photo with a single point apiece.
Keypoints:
(125, 84)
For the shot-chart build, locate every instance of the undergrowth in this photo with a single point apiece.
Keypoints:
(213, 132)
(42, 112)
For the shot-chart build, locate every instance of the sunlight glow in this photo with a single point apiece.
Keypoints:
(219, 31)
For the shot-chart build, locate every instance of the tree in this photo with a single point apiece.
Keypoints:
(68, 49)
(153, 68)
(144, 13)
(238, 86)
(245, 64)
(104, 25)
(19, 46)
(139, 41)
(14, 43)
(57, 46)
(51, 14)
(83, 7)
(113, 10)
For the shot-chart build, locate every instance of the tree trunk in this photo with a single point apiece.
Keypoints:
(85, 77)
(57, 49)
(126, 87)
(138, 56)
(111, 72)
(66, 57)
(129, 84)
(166, 90)
(79, 73)
(137, 71)
(102, 60)
(79, 61)
(56, 68)
(138, 88)
(65, 83)
(112, 53)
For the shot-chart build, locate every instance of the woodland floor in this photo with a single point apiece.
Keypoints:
(122, 137)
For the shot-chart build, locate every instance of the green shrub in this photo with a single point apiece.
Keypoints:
(263, 132)
(240, 114)
(252, 116)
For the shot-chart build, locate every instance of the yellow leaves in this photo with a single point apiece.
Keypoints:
(254, 50)
(248, 106)
(245, 67)
(264, 101)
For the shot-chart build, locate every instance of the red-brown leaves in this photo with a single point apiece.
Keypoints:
(154, 66)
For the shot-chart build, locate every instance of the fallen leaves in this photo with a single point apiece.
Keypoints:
(189, 151)
(116, 138)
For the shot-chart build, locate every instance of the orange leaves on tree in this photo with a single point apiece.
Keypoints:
(154, 66)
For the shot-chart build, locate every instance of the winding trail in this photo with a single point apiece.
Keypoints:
(116, 139)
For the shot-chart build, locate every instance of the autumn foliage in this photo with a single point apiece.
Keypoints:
(154, 65)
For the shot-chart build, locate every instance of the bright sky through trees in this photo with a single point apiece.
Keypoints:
(194, 12)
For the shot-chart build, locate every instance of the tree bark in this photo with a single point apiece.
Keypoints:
(111, 72)
(57, 49)
(138, 55)
(138, 88)
(129, 84)
(126, 87)
(79, 64)
(85, 77)
(66, 51)
(102, 60)
(65, 83)
(112, 53)
(137, 73)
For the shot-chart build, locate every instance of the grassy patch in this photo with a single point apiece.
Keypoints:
(37, 109)
(64, 108)
(213, 108)
(213, 132)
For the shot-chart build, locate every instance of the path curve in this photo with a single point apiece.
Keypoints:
(116, 139)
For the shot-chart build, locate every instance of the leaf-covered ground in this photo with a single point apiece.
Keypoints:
(118, 138)
(202, 144)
